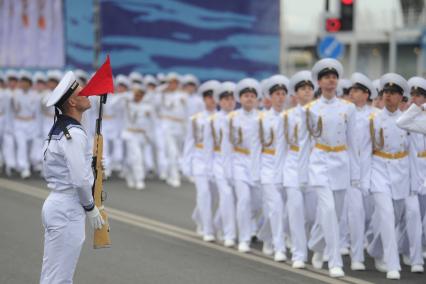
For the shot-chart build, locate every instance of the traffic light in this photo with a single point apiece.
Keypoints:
(333, 25)
(347, 15)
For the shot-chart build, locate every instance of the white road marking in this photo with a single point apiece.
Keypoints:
(187, 235)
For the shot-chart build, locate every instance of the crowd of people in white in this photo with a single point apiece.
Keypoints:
(315, 162)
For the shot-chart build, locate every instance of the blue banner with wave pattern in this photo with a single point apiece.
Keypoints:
(212, 39)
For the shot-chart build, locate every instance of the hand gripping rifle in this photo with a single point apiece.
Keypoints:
(101, 237)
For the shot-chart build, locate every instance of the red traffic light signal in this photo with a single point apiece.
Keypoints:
(333, 25)
(347, 2)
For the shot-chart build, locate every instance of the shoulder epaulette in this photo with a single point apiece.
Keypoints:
(309, 105)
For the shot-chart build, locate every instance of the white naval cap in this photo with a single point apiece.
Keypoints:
(11, 74)
(81, 74)
(417, 84)
(247, 85)
(136, 77)
(225, 88)
(274, 83)
(326, 66)
(122, 80)
(149, 79)
(299, 80)
(360, 81)
(25, 75)
(189, 79)
(138, 87)
(208, 88)
(172, 76)
(395, 82)
(63, 90)
(39, 77)
(55, 75)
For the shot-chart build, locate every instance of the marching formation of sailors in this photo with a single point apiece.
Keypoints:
(312, 162)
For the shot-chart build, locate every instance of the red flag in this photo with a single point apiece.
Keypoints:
(101, 83)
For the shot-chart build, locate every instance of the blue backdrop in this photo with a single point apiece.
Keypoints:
(212, 39)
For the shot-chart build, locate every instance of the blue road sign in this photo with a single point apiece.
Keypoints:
(330, 47)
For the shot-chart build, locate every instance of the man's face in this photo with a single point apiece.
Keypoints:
(121, 88)
(305, 94)
(227, 103)
(328, 82)
(40, 86)
(138, 95)
(51, 84)
(12, 83)
(278, 98)
(418, 99)
(82, 103)
(24, 84)
(392, 99)
(358, 96)
(378, 102)
(173, 85)
(189, 88)
(209, 102)
(248, 100)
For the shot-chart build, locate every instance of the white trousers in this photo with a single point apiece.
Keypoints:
(247, 206)
(356, 223)
(274, 213)
(64, 233)
(422, 201)
(204, 203)
(325, 232)
(301, 207)
(149, 157)
(135, 158)
(113, 153)
(9, 151)
(22, 151)
(411, 230)
(173, 147)
(226, 209)
(384, 244)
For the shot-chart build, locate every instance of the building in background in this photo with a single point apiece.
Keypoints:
(387, 35)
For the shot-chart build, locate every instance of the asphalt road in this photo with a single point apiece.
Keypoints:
(153, 242)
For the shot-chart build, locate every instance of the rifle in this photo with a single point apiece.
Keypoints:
(101, 237)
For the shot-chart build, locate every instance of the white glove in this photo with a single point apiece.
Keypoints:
(95, 218)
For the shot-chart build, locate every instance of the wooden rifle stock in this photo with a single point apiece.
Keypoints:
(101, 237)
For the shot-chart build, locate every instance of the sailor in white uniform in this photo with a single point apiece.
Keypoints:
(196, 163)
(328, 161)
(276, 89)
(358, 197)
(68, 173)
(390, 176)
(138, 133)
(412, 234)
(301, 202)
(174, 117)
(9, 147)
(25, 108)
(242, 166)
(218, 150)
